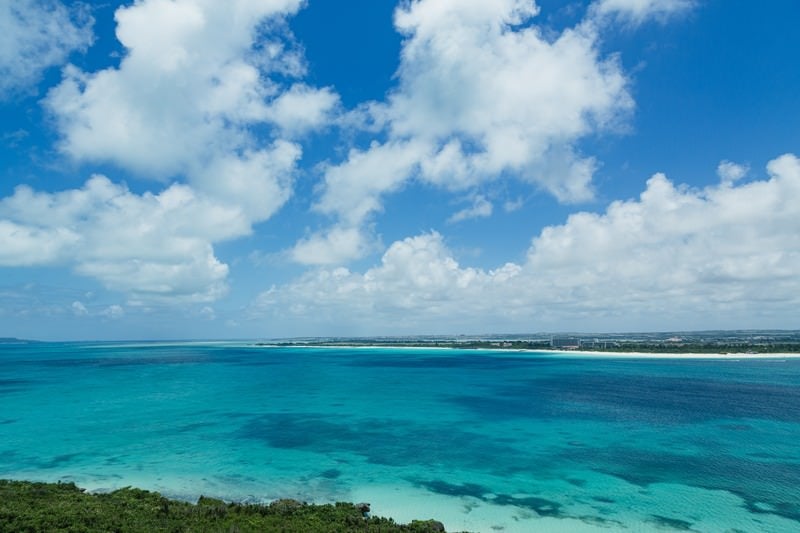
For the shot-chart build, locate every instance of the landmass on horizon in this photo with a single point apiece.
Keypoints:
(697, 342)
(14, 340)
(738, 342)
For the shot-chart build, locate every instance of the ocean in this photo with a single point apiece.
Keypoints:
(481, 440)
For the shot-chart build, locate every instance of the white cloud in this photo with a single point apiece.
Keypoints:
(36, 35)
(113, 312)
(727, 255)
(79, 309)
(22, 245)
(468, 76)
(352, 189)
(513, 205)
(197, 77)
(257, 182)
(152, 246)
(730, 172)
(482, 95)
(334, 246)
(638, 11)
(302, 108)
(480, 208)
(417, 282)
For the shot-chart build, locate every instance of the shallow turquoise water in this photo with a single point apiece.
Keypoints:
(484, 441)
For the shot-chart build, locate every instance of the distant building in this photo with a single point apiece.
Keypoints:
(565, 343)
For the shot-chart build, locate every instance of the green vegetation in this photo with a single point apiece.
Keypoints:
(33, 507)
(711, 342)
(464, 345)
(609, 346)
(698, 347)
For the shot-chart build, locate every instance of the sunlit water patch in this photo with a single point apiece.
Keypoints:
(484, 441)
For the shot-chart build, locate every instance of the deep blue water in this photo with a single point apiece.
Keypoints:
(486, 441)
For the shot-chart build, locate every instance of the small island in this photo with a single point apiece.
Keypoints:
(14, 340)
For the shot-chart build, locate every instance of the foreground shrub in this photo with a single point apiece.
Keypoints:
(44, 507)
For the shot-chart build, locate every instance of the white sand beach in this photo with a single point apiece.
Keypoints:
(653, 355)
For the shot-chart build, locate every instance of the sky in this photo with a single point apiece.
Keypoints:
(196, 169)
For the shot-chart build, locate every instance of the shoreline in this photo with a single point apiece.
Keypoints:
(44, 506)
(387, 508)
(732, 356)
(666, 355)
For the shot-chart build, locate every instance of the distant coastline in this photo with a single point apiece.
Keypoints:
(710, 344)
(14, 340)
(547, 351)
(717, 345)
(676, 355)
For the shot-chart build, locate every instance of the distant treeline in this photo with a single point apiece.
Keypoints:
(758, 347)
(700, 347)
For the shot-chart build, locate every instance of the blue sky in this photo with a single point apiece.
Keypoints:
(277, 168)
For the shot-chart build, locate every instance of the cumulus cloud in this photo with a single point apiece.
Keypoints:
(334, 246)
(258, 182)
(302, 109)
(79, 309)
(417, 279)
(482, 94)
(480, 208)
(36, 35)
(152, 246)
(24, 245)
(352, 189)
(730, 172)
(113, 312)
(191, 84)
(197, 78)
(662, 260)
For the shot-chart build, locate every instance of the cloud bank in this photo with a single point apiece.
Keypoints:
(211, 103)
(36, 35)
(197, 78)
(668, 258)
(482, 95)
(154, 247)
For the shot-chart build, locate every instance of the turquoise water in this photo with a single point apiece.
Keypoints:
(484, 441)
